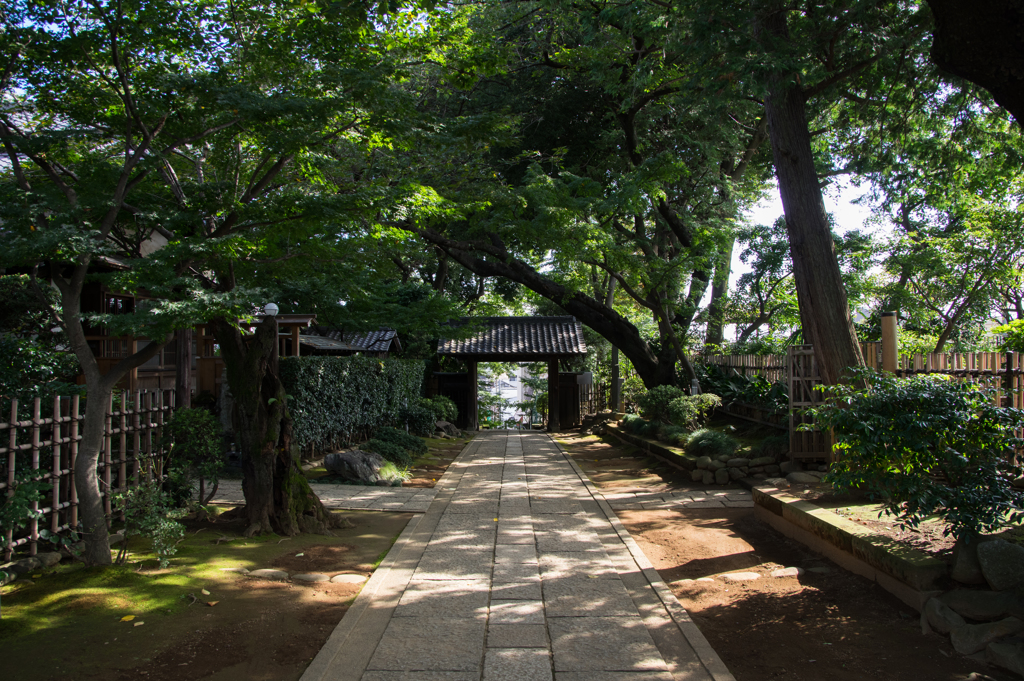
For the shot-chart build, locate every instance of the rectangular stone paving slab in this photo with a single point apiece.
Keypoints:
(517, 664)
(603, 644)
(517, 636)
(587, 598)
(430, 644)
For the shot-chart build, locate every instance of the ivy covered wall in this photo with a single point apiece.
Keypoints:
(334, 399)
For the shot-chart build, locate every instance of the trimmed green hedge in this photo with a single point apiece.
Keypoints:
(333, 398)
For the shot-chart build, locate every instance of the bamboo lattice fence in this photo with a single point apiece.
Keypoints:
(131, 450)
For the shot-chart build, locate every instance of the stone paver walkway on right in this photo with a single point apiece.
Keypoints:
(518, 570)
(730, 498)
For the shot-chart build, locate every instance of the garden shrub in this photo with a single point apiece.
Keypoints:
(924, 446)
(415, 445)
(693, 411)
(654, 403)
(421, 420)
(396, 454)
(707, 442)
(393, 474)
(775, 446)
(334, 397)
(149, 511)
(196, 452)
(442, 407)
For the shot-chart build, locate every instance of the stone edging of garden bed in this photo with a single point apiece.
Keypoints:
(911, 575)
(670, 455)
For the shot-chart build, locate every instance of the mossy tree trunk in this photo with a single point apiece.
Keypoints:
(277, 496)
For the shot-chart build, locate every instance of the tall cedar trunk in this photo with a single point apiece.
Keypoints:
(714, 337)
(824, 312)
(277, 495)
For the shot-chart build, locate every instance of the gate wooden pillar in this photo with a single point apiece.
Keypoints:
(472, 417)
(553, 420)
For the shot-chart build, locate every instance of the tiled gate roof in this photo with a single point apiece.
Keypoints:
(520, 336)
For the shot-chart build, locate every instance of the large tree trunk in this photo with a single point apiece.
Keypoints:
(983, 41)
(824, 312)
(277, 494)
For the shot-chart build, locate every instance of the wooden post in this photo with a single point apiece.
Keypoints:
(553, 421)
(616, 404)
(472, 417)
(183, 367)
(295, 341)
(889, 342)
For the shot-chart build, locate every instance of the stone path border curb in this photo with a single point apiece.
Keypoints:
(710, 659)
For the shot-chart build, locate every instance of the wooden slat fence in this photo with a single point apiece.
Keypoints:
(131, 449)
(594, 398)
(1002, 371)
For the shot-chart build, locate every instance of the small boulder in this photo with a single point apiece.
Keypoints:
(736, 474)
(348, 579)
(48, 558)
(759, 476)
(981, 605)
(721, 476)
(966, 568)
(1007, 655)
(275, 575)
(772, 469)
(787, 572)
(762, 461)
(237, 570)
(703, 462)
(20, 567)
(716, 466)
(1002, 563)
(709, 478)
(741, 576)
(788, 467)
(354, 465)
(724, 458)
(756, 469)
(970, 638)
(780, 483)
(804, 478)
(697, 475)
(941, 617)
(738, 462)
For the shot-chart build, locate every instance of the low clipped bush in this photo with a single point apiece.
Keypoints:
(389, 451)
(707, 442)
(421, 420)
(775, 446)
(393, 474)
(633, 423)
(415, 445)
(442, 408)
(693, 411)
(654, 403)
(676, 436)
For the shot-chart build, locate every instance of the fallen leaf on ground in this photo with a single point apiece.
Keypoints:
(213, 603)
(205, 592)
(36, 576)
(128, 618)
(138, 624)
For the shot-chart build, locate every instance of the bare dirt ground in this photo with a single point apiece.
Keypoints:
(827, 625)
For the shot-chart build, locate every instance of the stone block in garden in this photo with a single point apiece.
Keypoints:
(772, 469)
(703, 462)
(355, 465)
(709, 478)
(1002, 563)
(48, 558)
(697, 475)
(738, 462)
(762, 461)
(971, 638)
(982, 605)
(722, 476)
(736, 474)
(1007, 655)
(716, 466)
(788, 467)
(941, 617)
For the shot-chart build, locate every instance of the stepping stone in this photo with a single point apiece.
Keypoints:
(238, 570)
(275, 575)
(788, 572)
(311, 577)
(741, 576)
(348, 579)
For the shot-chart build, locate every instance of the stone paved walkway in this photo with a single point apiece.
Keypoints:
(731, 498)
(349, 497)
(518, 570)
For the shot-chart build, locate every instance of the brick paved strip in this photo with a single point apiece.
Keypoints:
(545, 585)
